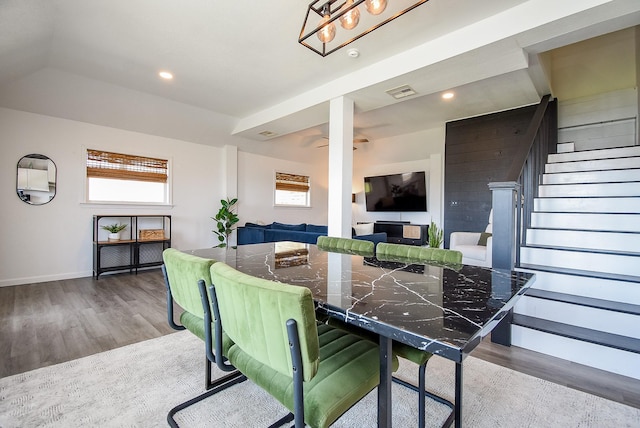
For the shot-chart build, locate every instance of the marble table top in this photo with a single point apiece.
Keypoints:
(443, 310)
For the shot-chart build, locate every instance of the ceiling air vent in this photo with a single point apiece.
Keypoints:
(401, 92)
(268, 134)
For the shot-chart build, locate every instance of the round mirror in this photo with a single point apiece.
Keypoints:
(36, 179)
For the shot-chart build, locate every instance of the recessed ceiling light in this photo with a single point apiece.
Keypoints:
(448, 95)
(165, 75)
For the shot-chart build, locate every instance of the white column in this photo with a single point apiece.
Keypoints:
(230, 176)
(340, 166)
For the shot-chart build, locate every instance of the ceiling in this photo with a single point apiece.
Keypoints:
(239, 70)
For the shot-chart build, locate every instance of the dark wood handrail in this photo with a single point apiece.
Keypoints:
(529, 137)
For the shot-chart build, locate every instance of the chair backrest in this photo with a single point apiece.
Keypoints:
(183, 272)
(254, 313)
(413, 252)
(346, 245)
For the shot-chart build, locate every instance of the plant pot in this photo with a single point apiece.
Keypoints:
(114, 236)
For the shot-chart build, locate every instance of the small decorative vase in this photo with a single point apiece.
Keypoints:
(114, 236)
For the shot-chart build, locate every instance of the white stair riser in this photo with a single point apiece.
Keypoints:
(589, 354)
(565, 147)
(593, 165)
(588, 205)
(605, 263)
(613, 176)
(591, 189)
(607, 241)
(597, 288)
(578, 221)
(580, 316)
(621, 152)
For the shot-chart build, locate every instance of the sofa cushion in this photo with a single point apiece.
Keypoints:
(251, 235)
(483, 239)
(261, 226)
(363, 229)
(281, 226)
(316, 228)
(276, 235)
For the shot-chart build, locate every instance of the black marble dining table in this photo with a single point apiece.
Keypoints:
(445, 310)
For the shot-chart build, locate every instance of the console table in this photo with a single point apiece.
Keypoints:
(141, 244)
(403, 232)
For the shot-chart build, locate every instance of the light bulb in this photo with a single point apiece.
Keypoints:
(375, 7)
(349, 20)
(328, 31)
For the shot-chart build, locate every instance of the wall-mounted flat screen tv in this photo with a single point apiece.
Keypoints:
(396, 192)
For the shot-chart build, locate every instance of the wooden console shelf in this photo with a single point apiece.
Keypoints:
(403, 232)
(131, 252)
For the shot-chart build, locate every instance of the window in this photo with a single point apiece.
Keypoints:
(117, 177)
(292, 190)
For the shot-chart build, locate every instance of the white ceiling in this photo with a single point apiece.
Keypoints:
(239, 69)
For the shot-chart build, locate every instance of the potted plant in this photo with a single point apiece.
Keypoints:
(435, 236)
(225, 220)
(114, 230)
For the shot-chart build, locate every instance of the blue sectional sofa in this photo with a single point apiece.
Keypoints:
(252, 233)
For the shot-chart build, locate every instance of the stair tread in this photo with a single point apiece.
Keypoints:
(585, 250)
(591, 302)
(611, 340)
(578, 272)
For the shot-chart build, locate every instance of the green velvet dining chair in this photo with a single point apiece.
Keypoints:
(414, 254)
(346, 245)
(187, 278)
(316, 371)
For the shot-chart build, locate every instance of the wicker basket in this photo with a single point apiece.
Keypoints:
(151, 234)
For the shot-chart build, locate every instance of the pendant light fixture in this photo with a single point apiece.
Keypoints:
(350, 19)
(353, 23)
(327, 30)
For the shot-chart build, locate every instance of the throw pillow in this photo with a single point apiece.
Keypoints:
(363, 229)
(483, 238)
(282, 226)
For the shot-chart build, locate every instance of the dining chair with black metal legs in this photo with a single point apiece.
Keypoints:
(186, 278)
(316, 371)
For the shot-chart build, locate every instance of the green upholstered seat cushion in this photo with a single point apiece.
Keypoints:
(196, 326)
(254, 312)
(483, 238)
(346, 245)
(348, 370)
(424, 254)
(184, 271)
(399, 349)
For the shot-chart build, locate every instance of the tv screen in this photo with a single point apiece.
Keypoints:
(396, 192)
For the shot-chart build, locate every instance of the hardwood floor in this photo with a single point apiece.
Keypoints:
(49, 323)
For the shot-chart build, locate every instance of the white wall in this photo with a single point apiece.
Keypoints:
(256, 187)
(389, 156)
(599, 121)
(54, 241)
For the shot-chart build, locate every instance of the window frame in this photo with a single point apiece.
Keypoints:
(168, 191)
(292, 174)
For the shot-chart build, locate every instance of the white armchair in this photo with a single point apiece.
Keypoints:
(473, 253)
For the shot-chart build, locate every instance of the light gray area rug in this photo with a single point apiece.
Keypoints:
(135, 386)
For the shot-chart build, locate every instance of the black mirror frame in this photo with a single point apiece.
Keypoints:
(26, 197)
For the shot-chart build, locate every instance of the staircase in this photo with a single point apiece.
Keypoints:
(584, 246)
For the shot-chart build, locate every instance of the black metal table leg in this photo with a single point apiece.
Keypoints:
(458, 403)
(384, 389)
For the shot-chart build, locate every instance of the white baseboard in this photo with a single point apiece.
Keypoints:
(44, 278)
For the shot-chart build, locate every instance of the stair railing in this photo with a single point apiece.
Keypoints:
(513, 199)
